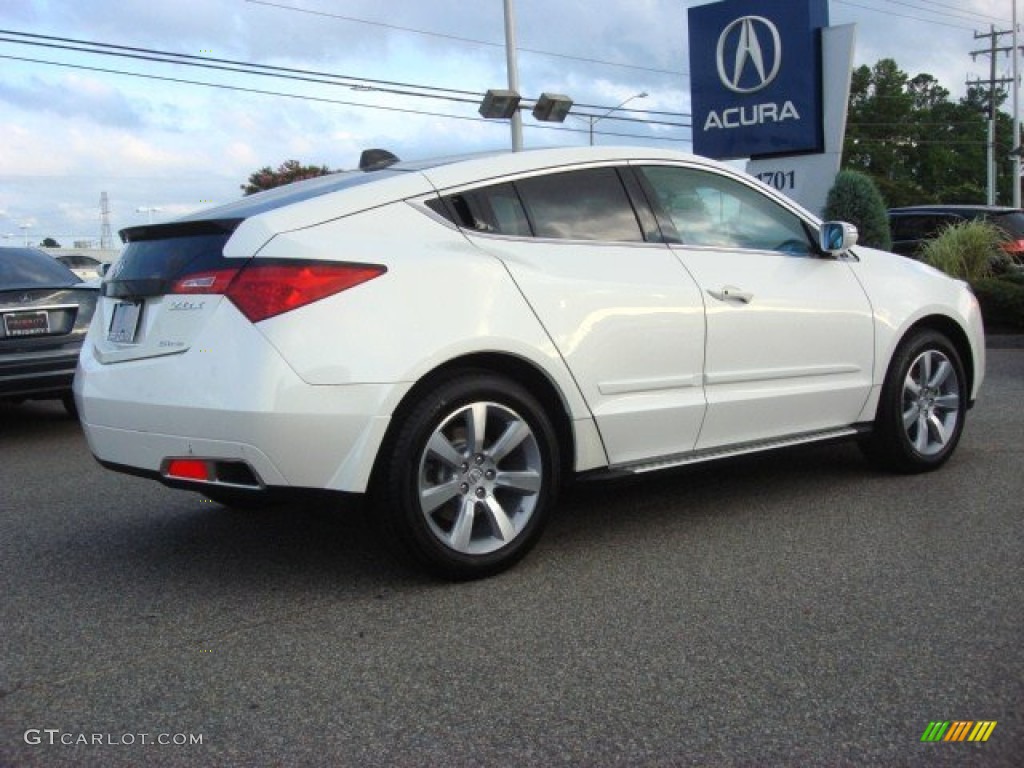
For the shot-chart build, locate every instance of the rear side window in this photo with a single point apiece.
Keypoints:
(495, 210)
(920, 227)
(589, 204)
(1011, 223)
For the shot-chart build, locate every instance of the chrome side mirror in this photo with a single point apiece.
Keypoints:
(837, 237)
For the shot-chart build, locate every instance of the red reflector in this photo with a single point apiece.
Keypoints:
(188, 469)
(266, 289)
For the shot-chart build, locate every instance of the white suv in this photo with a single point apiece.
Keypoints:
(457, 337)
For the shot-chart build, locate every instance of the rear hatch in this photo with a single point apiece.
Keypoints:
(165, 286)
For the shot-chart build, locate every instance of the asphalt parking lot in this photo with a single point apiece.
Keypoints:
(796, 609)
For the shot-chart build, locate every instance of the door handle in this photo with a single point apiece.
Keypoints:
(732, 293)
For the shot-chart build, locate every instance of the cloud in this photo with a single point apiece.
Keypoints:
(76, 97)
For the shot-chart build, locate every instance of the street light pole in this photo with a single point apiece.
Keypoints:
(513, 72)
(592, 119)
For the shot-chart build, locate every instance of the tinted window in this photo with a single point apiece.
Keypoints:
(711, 210)
(590, 204)
(495, 210)
(28, 268)
(920, 227)
(1011, 223)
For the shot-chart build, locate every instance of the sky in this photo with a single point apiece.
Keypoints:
(169, 138)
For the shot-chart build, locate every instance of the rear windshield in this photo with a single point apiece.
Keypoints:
(28, 268)
(158, 255)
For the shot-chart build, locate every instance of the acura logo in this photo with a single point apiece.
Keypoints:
(749, 54)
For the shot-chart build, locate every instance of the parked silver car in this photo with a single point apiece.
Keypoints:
(45, 310)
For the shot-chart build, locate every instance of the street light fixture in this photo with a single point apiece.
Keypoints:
(499, 104)
(25, 228)
(552, 108)
(150, 209)
(599, 118)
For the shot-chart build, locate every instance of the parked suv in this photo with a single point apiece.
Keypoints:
(454, 338)
(914, 224)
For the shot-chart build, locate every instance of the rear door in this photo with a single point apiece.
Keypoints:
(623, 313)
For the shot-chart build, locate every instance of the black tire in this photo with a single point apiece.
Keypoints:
(922, 407)
(464, 501)
(68, 401)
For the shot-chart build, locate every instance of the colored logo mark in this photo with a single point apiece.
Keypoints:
(959, 730)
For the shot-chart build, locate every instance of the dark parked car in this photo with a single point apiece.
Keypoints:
(914, 224)
(45, 310)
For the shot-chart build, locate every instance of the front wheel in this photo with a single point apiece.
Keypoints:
(922, 407)
(470, 477)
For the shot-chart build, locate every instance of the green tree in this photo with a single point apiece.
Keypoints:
(919, 146)
(287, 172)
(855, 198)
(49, 242)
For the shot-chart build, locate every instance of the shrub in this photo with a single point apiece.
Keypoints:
(855, 198)
(970, 250)
(1002, 304)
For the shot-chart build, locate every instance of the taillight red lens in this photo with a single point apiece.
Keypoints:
(265, 289)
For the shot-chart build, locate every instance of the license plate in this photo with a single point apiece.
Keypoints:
(125, 322)
(27, 323)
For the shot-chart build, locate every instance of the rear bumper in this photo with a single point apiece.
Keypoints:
(38, 373)
(243, 404)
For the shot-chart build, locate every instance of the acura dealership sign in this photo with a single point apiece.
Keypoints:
(755, 70)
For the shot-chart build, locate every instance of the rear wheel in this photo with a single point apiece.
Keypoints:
(470, 477)
(922, 407)
(68, 401)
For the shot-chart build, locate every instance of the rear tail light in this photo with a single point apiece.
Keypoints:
(219, 471)
(188, 469)
(263, 288)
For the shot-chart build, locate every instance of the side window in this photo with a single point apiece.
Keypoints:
(495, 210)
(716, 211)
(589, 204)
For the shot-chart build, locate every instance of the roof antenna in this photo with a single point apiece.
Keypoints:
(375, 159)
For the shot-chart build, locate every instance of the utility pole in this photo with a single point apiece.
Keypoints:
(1016, 111)
(992, 51)
(106, 240)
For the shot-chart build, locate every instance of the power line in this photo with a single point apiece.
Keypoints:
(953, 12)
(903, 15)
(287, 73)
(321, 99)
(469, 40)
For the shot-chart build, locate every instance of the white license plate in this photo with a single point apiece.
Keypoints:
(27, 323)
(125, 322)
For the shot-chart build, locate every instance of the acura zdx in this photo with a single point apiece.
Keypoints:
(455, 338)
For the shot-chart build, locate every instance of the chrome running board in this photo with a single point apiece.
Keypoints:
(710, 454)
